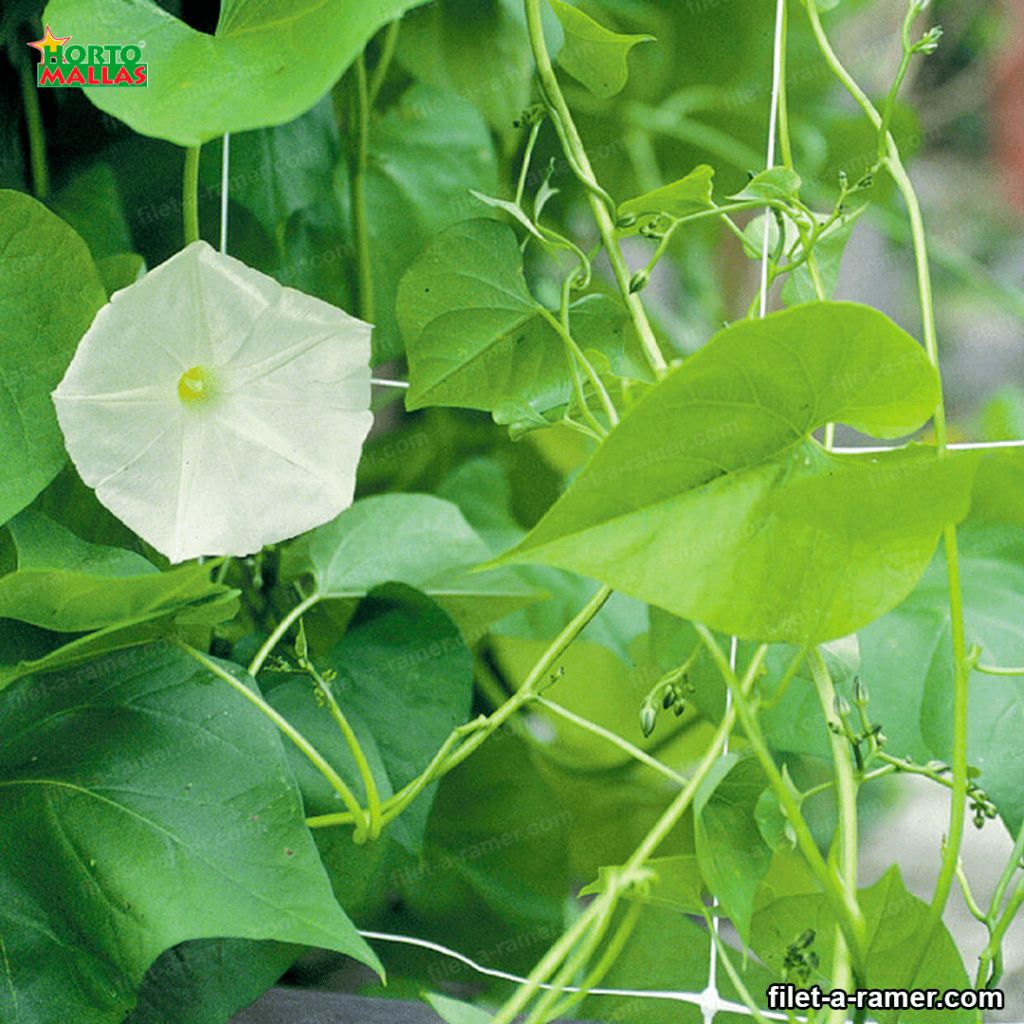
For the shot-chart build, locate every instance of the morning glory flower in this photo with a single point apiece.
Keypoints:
(214, 410)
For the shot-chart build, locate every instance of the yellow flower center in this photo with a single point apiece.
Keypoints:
(196, 385)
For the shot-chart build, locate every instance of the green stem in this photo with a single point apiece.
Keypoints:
(994, 670)
(307, 748)
(190, 195)
(358, 191)
(608, 957)
(842, 901)
(611, 737)
(369, 783)
(588, 369)
(901, 71)
(387, 53)
(602, 215)
(990, 966)
(846, 790)
(34, 122)
(446, 758)
(527, 157)
(279, 631)
(958, 800)
(784, 144)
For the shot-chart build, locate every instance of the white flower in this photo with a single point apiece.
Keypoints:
(214, 410)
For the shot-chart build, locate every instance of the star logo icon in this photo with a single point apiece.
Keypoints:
(48, 43)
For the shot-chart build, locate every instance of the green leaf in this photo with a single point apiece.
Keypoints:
(401, 664)
(776, 185)
(145, 804)
(733, 855)
(907, 666)
(710, 498)
(477, 338)
(591, 54)
(425, 155)
(355, 552)
(894, 920)
(65, 584)
(683, 197)
(208, 980)
(49, 292)
(268, 61)
(120, 270)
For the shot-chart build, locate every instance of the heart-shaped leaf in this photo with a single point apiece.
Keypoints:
(144, 803)
(478, 339)
(711, 498)
(592, 54)
(267, 62)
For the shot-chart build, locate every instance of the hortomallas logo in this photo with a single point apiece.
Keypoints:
(63, 65)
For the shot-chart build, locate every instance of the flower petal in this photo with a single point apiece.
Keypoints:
(269, 449)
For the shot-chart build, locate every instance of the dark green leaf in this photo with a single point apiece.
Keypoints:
(783, 540)
(49, 292)
(592, 54)
(266, 64)
(147, 803)
(91, 204)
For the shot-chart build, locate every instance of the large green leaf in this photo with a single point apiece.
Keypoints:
(425, 155)
(268, 61)
(732, 853)
(591, 53)
(894, 920)
(404, 679)
(907, 665)
(712, 500)
(65, 584)
(357, 551)
(145, 806)
(477, 338)
(49, 292)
